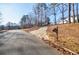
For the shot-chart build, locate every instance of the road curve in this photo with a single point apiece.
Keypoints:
(17, 42)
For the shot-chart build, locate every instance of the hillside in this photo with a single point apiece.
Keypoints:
(68, 36)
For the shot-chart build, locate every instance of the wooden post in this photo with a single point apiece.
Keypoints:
(56, 31)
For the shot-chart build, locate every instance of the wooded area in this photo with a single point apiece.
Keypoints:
(40, 15)
(60, 13)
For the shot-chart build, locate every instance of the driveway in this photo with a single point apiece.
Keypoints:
(18, 42)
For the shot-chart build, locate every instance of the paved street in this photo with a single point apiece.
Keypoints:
(17, 42)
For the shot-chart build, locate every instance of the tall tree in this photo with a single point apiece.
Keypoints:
(23, 21)
(0, 17)
(73, 11)
(40, 11)
(36, 11)
(43, 7)
(62, 8)
(69, 13)
(77, 12)
(63, 12)
(53, 5)
(28, 21)
(47, 20)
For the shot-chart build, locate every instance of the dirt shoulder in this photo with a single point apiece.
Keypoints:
(41, 32)
(31, 29)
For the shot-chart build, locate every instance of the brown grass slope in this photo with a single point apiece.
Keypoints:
(68, 36)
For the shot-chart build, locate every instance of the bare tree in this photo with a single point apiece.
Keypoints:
(43, 7)
(36, 11)
(69, 13)
(0, 17)
(63, 12)
(23, 21)
(73, 11)
(40, 11)
(77, 12)
(48, 20)
(53, 5)
(30, 19)
(62, 8)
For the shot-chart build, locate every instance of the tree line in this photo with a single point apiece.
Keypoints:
(43, 14)
(40, 16)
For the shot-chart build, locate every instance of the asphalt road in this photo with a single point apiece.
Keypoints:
(17, 42)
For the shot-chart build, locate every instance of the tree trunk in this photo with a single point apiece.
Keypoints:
(55, 16)
(42, 14)
(77, 12)
(69, 13)
(36, 21)
(63, 13)
(73, 11)
(30, 19)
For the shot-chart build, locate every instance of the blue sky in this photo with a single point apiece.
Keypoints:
(12, 12)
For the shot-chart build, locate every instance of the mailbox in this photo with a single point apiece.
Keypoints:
(55, 30)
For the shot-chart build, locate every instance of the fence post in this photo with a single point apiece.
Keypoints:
(56, 31)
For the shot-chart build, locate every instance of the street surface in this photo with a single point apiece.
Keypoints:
(18, 42)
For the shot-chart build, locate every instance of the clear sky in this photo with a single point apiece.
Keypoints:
(12, 12)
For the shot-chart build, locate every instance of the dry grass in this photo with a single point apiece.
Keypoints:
(68, 36)
(30, 29)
